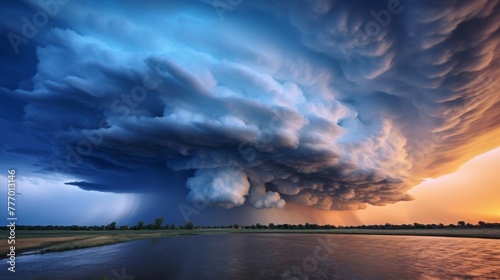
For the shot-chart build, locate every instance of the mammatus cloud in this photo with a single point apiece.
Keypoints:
(308, 111)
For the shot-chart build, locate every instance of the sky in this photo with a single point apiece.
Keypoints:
(223, 112)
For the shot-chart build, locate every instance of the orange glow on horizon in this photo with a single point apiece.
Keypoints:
(471, 193)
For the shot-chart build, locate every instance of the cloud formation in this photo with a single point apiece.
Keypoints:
(282, 101)
(221, 186)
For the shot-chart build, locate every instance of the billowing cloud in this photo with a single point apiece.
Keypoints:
(259, 198)
(335, 106)
(225, 187)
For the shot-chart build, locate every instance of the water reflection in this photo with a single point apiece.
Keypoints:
(271, 256)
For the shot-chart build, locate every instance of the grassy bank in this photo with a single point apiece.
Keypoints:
(62, 240)
(44, 241)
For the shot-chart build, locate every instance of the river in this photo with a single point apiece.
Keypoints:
(270, 256)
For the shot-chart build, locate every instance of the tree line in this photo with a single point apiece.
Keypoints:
(157, 224)
(460, 224)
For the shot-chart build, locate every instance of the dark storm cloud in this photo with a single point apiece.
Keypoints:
(335, 105)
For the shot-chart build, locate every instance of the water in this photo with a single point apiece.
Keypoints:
(271, 256)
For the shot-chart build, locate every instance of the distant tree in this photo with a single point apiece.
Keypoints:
(158, 222)
(271, 225)
(124, 227)
(236, 226)
(150, 226)
(111, 226)
(461, 223)
(189, 225)
(481, 224)
(140, 225)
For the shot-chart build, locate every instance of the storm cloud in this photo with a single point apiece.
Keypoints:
(331, 104)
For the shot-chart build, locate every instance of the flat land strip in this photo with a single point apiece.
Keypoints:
(42, 241)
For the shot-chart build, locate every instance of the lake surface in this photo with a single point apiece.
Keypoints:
(270, 256)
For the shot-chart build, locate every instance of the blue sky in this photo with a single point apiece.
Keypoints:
(250, 109)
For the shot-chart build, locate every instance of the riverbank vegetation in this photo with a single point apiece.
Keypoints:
(157, 224)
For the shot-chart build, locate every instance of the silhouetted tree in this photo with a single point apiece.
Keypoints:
(461, 223)
(158, 222)
(140, 225)
(189, 225)
(111, 226)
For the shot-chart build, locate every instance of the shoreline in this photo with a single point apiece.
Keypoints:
(33, 242)
(491, 233)
(40, 242)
